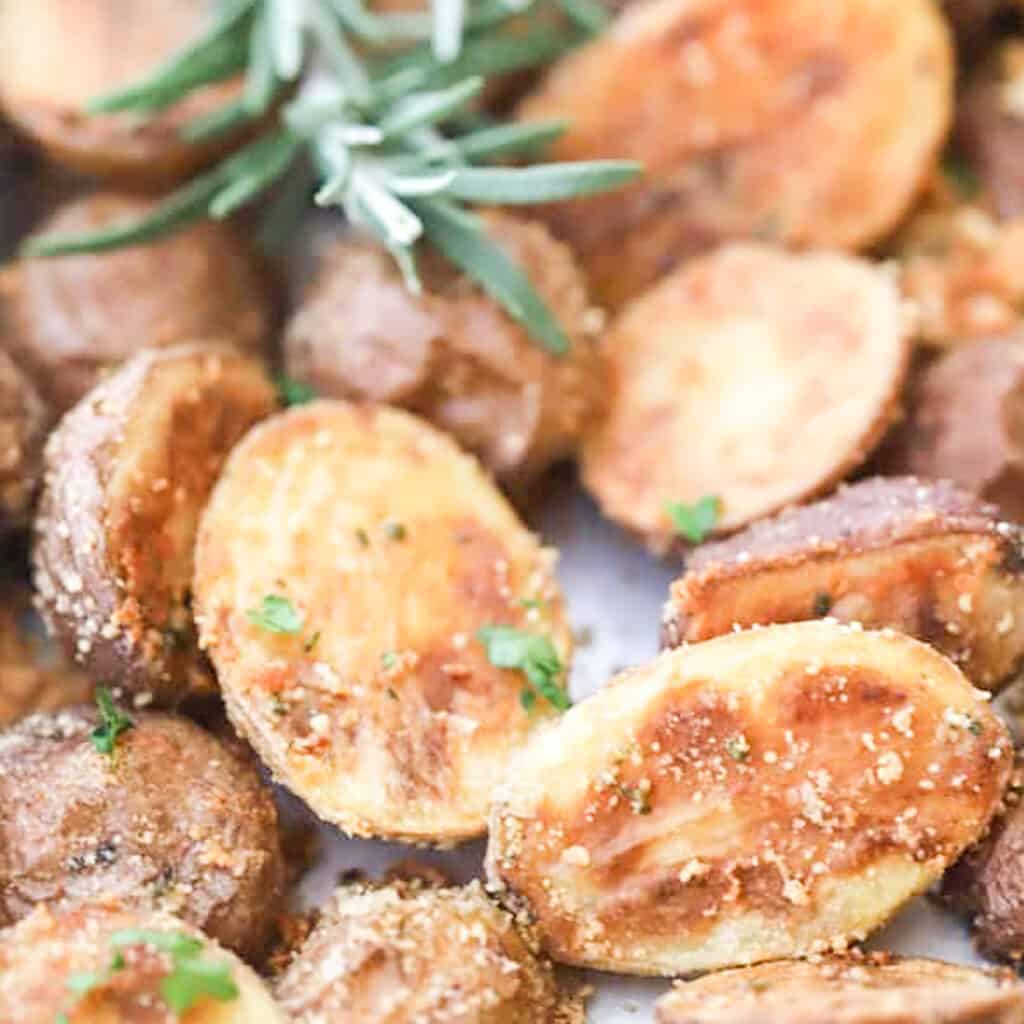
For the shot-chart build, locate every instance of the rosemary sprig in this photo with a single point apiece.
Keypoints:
(378, 107)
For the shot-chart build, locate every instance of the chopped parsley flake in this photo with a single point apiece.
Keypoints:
(395, 531)
(276, 615)
(112, 723)
(695, 522)
(293, 392)
(533, 655)
(363, 537)
(822, 604)
(388, 660)
(975, 728)
(738, 748)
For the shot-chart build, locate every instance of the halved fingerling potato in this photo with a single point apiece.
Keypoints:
(794, 127)
(690, 364)
(128, 472)
(921, 557)
(877, 989)
(23, 423)
(768, 794)
(51, 956)
(345, 565)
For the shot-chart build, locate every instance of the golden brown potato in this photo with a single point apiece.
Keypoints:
(345, 565)
(864, 990)
(405, 953)
(23, 422)
(70, 319)
(170, 819)
(58, 55)
(128, 473)
(783, 119)
(692, 361)
(924, 558)
(452, 354)
(767, 794)
(964, 423)
(50, 957)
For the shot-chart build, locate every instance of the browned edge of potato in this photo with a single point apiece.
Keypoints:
(691, 365)
(921, 557)
(23, 422)
(874, 989)
(389, 549)
(772, 793)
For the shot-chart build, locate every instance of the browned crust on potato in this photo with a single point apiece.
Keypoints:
(23, 423)
(70, 319)
(383, 711)
(128, 473)
(58, 55)
(690, 364)
(922, 557)
(768, 794)
(876, 989)
(757, 118)
(175, 820)
(452, 355)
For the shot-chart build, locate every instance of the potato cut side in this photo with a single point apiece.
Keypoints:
(404, 952)
(48, 955)
(692, 364)
(768, 794)
(128, 473)
(865, 990)
(387, 550)
(782, 119)
(23, 424)
(56, 56)
(921, 557)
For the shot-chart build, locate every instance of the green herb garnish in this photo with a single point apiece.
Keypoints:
(113, 722)
(822, 604)
(533, 655)
(395, 531)
(388, 660)
(738, 748)
(293, 392)
(695, 522)
(276, 614)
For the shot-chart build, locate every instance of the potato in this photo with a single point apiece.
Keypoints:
(58, 55)
(925, 558)
(452, 354)
(766, 794)
(405, 953)
(872, 990)
(345, 565)
(49, 957)
(128, 473)
(70, 319)
(171, 819)
(692, 361)
(783, 119)
(23, 422)
(964, 423)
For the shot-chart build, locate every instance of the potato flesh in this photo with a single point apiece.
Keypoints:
(396, 550)
(767, 794)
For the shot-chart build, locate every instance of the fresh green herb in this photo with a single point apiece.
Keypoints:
(293, 392)
(961, 177)
(975, 728)
(638, 797)
(695, 522)
(822, 605)
(388, 660)
(377, 104)
(311, 643)
(276, 614)
(113, 722)
(532, 603)
(395, 531)
(738, 748)
(363, 537)
(533, 655)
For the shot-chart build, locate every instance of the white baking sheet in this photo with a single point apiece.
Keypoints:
(615, 593)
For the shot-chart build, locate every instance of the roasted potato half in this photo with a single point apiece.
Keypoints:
(70, 319)
(128, 473)
(405, 952)
(56, 56)
(767, 794)
(865, 990)
(925, 558)
(171, 818)
(23, 423)
(346, 563)
(782, 119)
(690, 364)
(102, 963)
(452, 354)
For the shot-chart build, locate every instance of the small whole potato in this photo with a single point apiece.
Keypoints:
(452, 354)
(170, 818)
(23, 423)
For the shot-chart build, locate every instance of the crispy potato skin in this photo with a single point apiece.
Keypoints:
(39, 954)
(767, 794)
(23, 422)
(921, 557)
(128, 473)
(384, 713)
(405, 952)
(452, 355)
(691, 361)
(70, 319)
(770, 118)
(877, 989)
(178, 821)
(58, 55)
